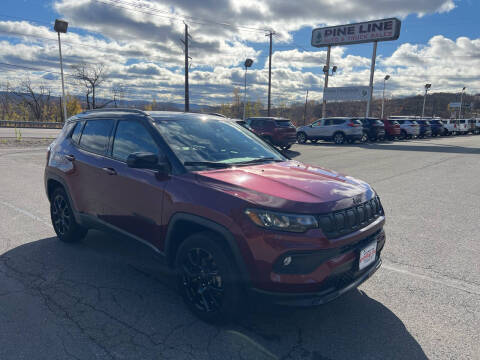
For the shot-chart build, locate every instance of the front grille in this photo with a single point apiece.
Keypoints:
(346, 221)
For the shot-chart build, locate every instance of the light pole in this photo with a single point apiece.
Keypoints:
(383, 97)
(248, 63)
(461, 103)
(427, 87)
(61, 26)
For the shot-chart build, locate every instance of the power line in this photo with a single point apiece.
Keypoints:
(191, 19)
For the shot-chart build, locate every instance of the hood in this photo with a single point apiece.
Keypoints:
(290, 185)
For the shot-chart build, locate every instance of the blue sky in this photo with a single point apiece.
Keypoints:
(146, 56)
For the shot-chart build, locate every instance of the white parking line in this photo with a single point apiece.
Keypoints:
(25, 212)
(437, 279)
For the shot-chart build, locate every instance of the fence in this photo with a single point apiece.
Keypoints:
(31, 124)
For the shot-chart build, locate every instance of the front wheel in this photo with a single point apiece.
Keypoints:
(339, 138)
(207, 279)
(364, 137)
(301, 138)
(63, 221)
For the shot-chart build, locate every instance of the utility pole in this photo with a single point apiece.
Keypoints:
(271, 33)
(305, 111)
(187, 94)
(461, 103)
(372, 73)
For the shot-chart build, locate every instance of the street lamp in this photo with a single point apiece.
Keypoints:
(461, 103)
(383, 98)
(248, 63)
(61, 26)
(427, 87)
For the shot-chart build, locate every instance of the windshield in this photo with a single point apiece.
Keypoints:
(213, 141)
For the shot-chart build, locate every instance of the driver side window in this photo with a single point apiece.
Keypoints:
(130, 137)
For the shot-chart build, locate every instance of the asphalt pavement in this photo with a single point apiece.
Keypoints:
(108, 298)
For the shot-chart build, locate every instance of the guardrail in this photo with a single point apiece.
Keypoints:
(31, 124)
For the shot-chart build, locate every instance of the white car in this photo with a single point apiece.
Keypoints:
(450, 126)
(409, 128)
(463, 126)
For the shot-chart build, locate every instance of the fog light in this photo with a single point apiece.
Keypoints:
(287, 261)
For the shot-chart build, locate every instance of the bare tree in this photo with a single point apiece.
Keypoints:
(38, 100)
(92, 77)
(6, 101)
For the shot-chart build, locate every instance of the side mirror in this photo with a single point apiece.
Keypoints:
(146, 160)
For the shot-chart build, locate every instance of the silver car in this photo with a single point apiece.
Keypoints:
(337, 130)
(408, 129)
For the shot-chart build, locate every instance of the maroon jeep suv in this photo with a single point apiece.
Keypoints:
(234, 218)
(276, 131)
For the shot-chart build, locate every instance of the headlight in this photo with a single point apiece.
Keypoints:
(279, 221)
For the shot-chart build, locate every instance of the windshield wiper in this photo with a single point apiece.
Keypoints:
(213, 164)
(255, 161)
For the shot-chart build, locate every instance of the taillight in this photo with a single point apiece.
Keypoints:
(352, 124)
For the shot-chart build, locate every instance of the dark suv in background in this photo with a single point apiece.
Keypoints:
(373, 129)
(425, 128)
(232, 216)
(277, 131)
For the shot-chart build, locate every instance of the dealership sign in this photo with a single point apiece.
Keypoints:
(370, 31)
(349, 93)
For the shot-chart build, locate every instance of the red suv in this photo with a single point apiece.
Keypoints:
(277, 131)
(392, 129)
(231, 215)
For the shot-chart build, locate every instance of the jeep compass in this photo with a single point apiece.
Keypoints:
(234, 218)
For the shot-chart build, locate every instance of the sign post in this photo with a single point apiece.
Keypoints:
(325, 84)
(365, 32)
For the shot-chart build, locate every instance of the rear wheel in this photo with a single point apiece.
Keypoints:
(301, 138)
(339, 138)
(403, 135)
(63, 221)
(207, 279)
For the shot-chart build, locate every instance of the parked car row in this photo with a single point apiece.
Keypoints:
(341, 130)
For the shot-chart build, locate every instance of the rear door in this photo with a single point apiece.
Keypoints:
(326, 129)
(133, 197)
(87, 156)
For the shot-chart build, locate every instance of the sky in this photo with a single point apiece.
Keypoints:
(138, 43)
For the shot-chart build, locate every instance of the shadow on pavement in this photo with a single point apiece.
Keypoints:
(108, 298)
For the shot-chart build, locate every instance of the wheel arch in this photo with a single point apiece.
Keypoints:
(182, 225)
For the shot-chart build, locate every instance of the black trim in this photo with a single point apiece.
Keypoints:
(314, 298)
(52, 176)
(226, 234)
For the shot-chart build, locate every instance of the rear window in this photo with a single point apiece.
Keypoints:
(77, 132)
(283, 123)
(393, 122)
(377, 122)
(341, 121)
(356, 121)
(400, 121)
(95, 135)
(462, 121)
(435, 122)
(413, 122)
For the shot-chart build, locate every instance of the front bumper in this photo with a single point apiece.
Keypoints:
(337, 288)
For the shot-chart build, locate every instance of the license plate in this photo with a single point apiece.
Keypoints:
(367, 255)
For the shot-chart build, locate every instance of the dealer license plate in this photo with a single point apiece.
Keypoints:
(367, 255)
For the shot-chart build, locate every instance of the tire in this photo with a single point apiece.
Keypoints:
(286, 147)
(364, 138)
(313, 141)
(207, 279)
(403, 135)
(302, 138)
(339, 138)
(63, 220)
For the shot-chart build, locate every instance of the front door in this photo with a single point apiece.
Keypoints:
(134, 198)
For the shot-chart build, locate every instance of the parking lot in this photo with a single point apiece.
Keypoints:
(109, 298)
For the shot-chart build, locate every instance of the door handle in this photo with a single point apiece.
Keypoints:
(109, 171)
(70, 157)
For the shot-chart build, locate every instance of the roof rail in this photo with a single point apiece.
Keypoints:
(136, 111)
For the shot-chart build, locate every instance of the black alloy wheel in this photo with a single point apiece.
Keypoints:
(63, 221)
(207, 279)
